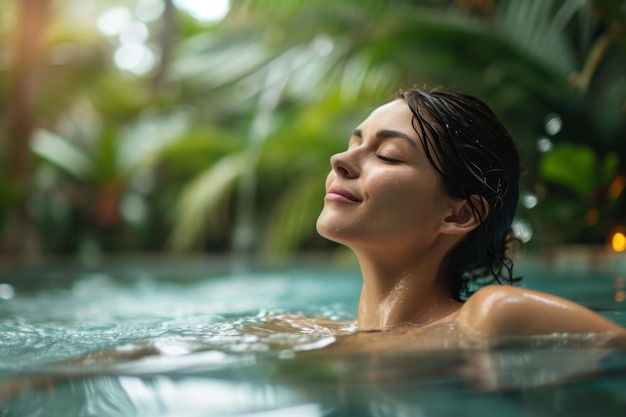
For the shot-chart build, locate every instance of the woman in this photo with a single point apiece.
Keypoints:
(425, 195)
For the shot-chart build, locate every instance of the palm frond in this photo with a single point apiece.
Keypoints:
(200, 201)
(61, 153)
(143, 141)
(293, 218)
(535, 29)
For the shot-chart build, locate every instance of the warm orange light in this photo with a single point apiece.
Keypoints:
(620, 296)
(618, 242)
(591, 217)
(617, 186)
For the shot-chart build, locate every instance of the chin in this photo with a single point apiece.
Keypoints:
(321, 227)
(327, 230)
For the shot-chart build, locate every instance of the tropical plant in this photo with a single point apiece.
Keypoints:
(91, 129)
(531, 60)
(225, 143)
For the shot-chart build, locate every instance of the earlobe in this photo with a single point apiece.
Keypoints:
(466, 215)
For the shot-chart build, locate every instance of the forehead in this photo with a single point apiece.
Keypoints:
(393, 115)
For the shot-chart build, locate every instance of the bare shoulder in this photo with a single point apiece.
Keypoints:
(507, 310)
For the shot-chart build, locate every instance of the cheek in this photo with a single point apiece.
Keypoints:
(329, 178)
(406, 198)
(391, 188)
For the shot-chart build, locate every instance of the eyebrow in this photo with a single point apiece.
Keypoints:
(389, 134)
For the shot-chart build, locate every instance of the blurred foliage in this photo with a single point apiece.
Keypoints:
(223, 143)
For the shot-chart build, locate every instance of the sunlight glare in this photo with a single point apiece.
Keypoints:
(134, 57)
(205, 10)
(149, 10)
(114, 21)
(135, 32)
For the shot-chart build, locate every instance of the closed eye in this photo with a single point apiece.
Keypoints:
(387, 159)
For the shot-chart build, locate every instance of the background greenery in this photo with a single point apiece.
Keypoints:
(215, 135)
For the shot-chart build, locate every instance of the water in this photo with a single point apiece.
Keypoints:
(163, 340)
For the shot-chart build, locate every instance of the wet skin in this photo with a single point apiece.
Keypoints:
(384, 201)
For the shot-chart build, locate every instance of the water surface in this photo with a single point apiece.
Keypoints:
(148, 340)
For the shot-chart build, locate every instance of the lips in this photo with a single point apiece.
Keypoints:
(339, 193)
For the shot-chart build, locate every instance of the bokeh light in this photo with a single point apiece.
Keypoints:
(149, 10)
(6, 291)
(205, 10)
(529, 200)
(134, 32)
(544, 144)
(616, 187)
(618, 241)
(553, 124)
(132, 54)
(591, 217)
(133, 208)
(114, 21)
(522, 230)
(134, 57)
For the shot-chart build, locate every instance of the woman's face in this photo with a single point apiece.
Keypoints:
(382, 192)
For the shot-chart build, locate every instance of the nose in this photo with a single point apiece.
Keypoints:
(344, 164)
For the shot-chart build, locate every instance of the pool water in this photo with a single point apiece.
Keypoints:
(149, 339)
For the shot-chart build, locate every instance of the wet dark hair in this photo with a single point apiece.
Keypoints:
(474, 154)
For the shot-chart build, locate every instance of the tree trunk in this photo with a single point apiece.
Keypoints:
(167, 40)
(33, 16)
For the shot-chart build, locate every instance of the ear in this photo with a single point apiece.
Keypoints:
(466, 215)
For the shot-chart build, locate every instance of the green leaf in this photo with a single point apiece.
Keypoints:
(62, 153)
(572, 166)
(609, 167)
(201, 200)
(293, 219)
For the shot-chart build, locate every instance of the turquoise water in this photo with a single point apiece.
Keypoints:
(179, 340)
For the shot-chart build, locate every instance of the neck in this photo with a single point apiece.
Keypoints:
(403, 290)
